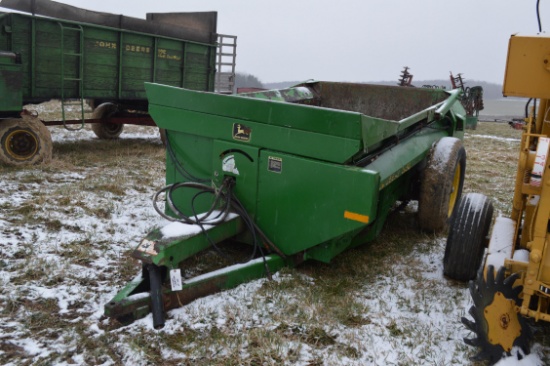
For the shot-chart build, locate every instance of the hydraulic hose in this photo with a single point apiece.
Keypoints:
(224, 202)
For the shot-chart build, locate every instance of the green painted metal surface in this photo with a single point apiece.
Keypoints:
(115, 62)
(317, 168)
(170, 251)
(10, 82)
(133, 299)
(471, 122)
(344, 124)
(292, 153)
(394, 163)
(302, 203)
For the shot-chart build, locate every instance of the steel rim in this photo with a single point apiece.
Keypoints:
(454, 190)
(502, 322)
(111, 127)
(21, 144)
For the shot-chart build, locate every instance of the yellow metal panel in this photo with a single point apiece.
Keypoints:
(528, 67)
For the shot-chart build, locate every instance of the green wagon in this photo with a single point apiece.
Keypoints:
(296, 174)
(69, 53)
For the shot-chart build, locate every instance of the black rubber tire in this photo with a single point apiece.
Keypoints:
(106, 131)
(24, 141)
(468, 237)
(441, 184)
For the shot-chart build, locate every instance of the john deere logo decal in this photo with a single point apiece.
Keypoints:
(241, 132)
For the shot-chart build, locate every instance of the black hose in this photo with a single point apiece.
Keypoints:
(180, 216)
(199, 221)
(527, 107)
(224, 202)
(202, 188)
(157, 306)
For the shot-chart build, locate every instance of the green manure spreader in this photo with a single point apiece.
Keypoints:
(297, 174)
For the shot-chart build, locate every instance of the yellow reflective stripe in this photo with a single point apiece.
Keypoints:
(356, 217)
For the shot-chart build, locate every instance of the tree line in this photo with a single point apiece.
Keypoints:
(490, 90)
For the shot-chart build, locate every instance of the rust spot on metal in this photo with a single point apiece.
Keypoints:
(505, 321)
(179, 298)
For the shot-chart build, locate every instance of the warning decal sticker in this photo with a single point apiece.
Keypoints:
(228, 165)
(148, 247)
(275, 164)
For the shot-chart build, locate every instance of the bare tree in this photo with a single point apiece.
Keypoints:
(243, 80)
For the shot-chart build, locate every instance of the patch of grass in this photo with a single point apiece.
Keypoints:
(42, 316)
(127, 267)
(79, 252)
(127, 154)
(64, 200)
(354, 320)
(111, 188)
(10, 305)
(25, 210)
(491, 163)
(265, 345)
(317, 337)
(348, 351)
(313, 314)
(6, 205)
(53, 225)
(181, 340)
(394, 329)
(101, 212)
(148, 346)
(10, 351)
(39, 270)
(32, 177)
(24, 250)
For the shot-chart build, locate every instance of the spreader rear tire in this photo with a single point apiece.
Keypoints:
(468, 236)
(106, 130)
(441, 185)
(24, 141)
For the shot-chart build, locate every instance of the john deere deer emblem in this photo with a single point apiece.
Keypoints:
(241, 132)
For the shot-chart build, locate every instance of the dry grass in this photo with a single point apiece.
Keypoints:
(383, 303)
(491, 165)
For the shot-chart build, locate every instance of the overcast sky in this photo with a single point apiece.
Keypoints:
(359, 40)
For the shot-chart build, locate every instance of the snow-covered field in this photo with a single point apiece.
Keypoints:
(65, 233)
(503, 109)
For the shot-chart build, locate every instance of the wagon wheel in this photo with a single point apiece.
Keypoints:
(468, 236)
(498, 326)
(106, 130)
(441, 184)
(24, 141)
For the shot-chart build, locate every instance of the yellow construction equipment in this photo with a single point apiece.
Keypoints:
(512, 287)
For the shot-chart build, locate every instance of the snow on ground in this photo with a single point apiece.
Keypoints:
(62, 263)
(490, 137)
